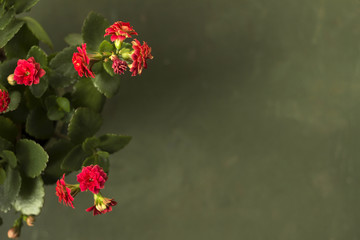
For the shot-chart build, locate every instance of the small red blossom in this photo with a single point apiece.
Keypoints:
(118, 65)
(139, 56)
(92, 178)
(81, 62)
(120, 31)
(28, 72)
(66, 192)
(102, 205)
(4, 100)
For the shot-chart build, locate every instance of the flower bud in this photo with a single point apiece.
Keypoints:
(11, 80)
(13, 233)
(30, 221)
(118, 43)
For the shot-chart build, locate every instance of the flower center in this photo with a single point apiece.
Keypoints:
(27, 73)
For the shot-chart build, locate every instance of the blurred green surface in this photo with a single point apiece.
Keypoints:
(245, 125)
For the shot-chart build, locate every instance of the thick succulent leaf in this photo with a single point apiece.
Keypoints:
(15, 99)
(90, 144)
(112, 142)
(37, 30)
(62, 62)
(39, 55)
(9, 157)
(2, 175)
(9, 189)
(93, 30)
(74, 39)
(5, 144)
(57, 153)
(24, 5)
(39, 89)
(106, 46)
(99, 158)
(9, 31)
(32, 157)
(74, 159)
(63, 103)
(38, 124)
(106, 84)
(54, 112)
(86, 95)
(6, 18)
(57, 80)
(17, 47)
(31, 196)
(8, 129)
(7, 68)
(84, 123)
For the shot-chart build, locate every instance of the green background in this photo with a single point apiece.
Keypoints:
(245, 125)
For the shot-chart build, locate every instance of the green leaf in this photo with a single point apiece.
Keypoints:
(93, 30)
(10, 158)
(106, 84)
(100, 158)
(10, 189)
(2, 175)
(57, 80)
(37, 30)
(74, 39)
(5, 144)
(7, 68)
(31, 196)
(24, 5)
(54, 113)
(39, 89)
(6, 18)
(106, 46)
(86, 95)
(15, 99)
(8, 129)
(32, 157)
(63, 103)
(112, 143)
(62, 62)
(57, 153)
(38, 124)
(9, 31)
(17, 47)
(74, 159)
(84, 123)
(108, 68)
(1, 221)
(90, 144)
(39, 55)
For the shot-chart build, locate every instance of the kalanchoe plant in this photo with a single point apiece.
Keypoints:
(50, 109)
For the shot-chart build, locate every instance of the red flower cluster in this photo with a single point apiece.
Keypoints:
(81, 62)
(120, 31)
(139, 56)
(64, 193)
(92, 178)
(28, 72)
(102, 205)
(4, 100)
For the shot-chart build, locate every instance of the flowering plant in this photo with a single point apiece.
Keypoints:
(50, 109)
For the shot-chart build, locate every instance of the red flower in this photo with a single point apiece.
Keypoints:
(66, 192)
(101, 205)
(92, 178)
(4, 100)
(118, 65)
(139, 56)
(81, 62)
(120, 31)
(28, 72)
